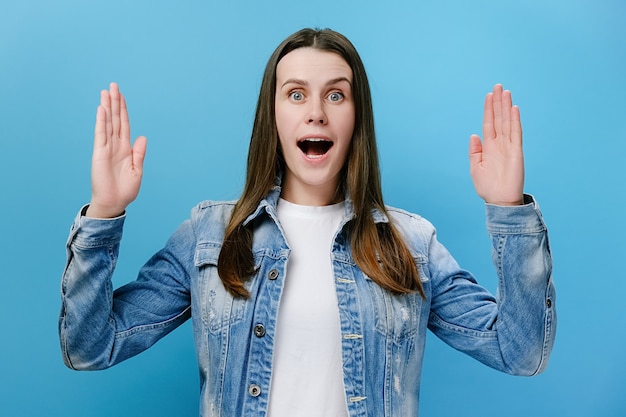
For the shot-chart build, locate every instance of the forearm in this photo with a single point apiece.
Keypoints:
(86, 325)
(526, 322)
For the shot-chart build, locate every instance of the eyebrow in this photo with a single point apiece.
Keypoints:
(305, 83)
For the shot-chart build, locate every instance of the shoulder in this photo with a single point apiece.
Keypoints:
(402, 216)
(212, 208)
(209, 219)
(416, 230)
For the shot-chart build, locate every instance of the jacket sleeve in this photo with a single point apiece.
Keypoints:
(99, 327)
(514, 331)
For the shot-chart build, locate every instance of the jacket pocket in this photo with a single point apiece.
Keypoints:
(398, 316)
(218, 307)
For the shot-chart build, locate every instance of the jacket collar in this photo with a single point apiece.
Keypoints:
(269, 203)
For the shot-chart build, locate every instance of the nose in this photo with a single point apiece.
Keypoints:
(316, 114)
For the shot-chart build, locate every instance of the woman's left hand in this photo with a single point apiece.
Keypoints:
(497, 164)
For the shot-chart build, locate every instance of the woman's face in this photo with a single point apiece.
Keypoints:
(315, 121)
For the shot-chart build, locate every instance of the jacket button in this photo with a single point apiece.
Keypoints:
(259, 330)
(548, 303)
(273, 274)
(254, 390)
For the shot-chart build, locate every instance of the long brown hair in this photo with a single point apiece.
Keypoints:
(378, 249)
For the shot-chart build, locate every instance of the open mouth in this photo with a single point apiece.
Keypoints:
(315, 147)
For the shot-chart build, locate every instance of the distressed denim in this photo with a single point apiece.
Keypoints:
(383, 335)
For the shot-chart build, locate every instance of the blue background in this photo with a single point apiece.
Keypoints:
(191, 72)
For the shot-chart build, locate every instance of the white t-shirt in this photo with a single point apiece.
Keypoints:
(307, 376)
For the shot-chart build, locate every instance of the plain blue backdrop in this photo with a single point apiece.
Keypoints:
(191, 72)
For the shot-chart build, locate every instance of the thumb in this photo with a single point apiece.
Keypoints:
(139, 152)
(475, 150)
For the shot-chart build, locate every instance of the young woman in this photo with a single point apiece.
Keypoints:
(310, 297)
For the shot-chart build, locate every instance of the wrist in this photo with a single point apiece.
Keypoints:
(523, 200)
(96, 211)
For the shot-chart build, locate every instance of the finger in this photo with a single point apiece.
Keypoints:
(506, 113)
(100, 133)
(105, 102)
(488, 128)
(139, 152)
(124, 122)
(115, 109)
(475, 151)
(516, 126)
(497, 109)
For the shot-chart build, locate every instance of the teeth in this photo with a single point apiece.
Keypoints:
(315, 148)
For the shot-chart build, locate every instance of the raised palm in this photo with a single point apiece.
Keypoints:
(497, 163)
(116, 167)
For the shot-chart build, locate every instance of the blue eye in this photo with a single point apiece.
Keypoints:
(296, 96)
(336, 96)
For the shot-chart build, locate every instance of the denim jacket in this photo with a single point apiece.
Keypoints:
(383, 335)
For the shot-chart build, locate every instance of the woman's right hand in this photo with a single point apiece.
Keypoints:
(116, 167)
